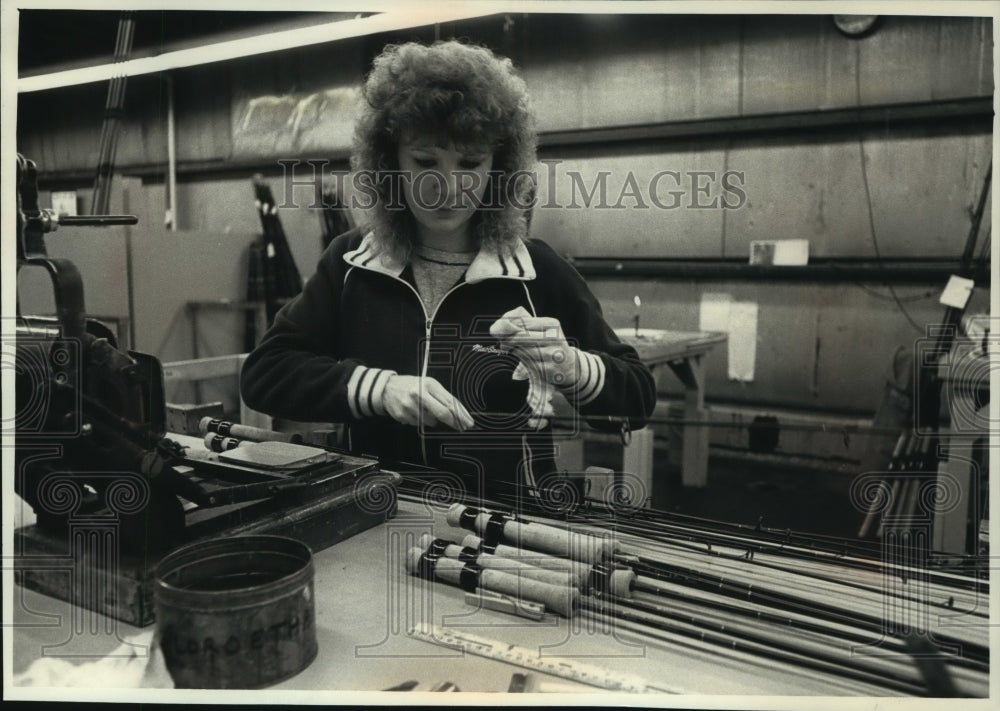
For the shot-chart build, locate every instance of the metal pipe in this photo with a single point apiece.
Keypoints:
(973, 109)
(171, 217)
(831, 271)
(129, 274)
(96, 220)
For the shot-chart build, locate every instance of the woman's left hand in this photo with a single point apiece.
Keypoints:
(539, 343)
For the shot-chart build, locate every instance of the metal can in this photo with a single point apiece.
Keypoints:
(236, 613)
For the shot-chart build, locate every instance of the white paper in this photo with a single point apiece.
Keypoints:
(780, 252)
(742, 340)
(956, 294)
(64, 202)
(791, 252)
(714, 314)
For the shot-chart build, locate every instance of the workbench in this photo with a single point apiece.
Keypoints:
(683, 353)
(365, 602)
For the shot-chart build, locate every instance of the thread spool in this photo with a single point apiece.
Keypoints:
(578, 546)
(254, 434)
(219, 443)
(492, 562)
(561, 599)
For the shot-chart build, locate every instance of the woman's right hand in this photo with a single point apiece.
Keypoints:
(423, 401)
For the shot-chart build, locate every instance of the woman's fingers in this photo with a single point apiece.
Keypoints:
(414, 400)
(520, 320)
(520, 323)
(444, 407)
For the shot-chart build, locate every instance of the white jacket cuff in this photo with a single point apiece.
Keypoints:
(589, 383)
(364, 391)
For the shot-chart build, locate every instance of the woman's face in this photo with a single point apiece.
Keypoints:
(443, 185)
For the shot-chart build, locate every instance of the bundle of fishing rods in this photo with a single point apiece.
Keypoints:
(865, 621)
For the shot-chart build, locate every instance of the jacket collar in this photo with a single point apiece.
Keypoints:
(488, 264)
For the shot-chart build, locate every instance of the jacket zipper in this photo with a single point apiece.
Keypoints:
(428, 323)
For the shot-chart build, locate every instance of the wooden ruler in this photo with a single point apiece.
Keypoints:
(530, 659)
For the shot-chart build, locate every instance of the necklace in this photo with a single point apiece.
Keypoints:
(442, 257)
(441, 262)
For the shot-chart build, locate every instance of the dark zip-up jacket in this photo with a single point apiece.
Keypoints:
(360, 319)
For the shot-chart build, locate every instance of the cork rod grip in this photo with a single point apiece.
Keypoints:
(254, 434)
(620, 581)
(578, 546)
(505, 565)
(561, 599)
(576, 570)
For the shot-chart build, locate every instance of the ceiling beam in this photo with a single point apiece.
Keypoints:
(412, 16)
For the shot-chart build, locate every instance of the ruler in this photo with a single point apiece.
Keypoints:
(530, 659)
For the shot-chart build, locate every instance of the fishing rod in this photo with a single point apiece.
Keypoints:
(948, 602)
(469, 569)
(773, 613)
(704, 542)
(495, 527)
(822, 621)
(668, 536)
(759, 539)
(651, 625)
(536, 499)
(645, 567)
(792, 620)
(671, 537)
(588, 578)
(778, 644)
(745, 655)
(574, 420)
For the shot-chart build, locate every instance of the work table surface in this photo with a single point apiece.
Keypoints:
(365, 602)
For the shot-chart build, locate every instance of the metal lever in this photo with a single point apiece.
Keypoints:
(96, 220)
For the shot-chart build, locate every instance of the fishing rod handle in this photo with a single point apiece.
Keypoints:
(598, 579)
(470, 577)
(487, 561)
(538, 536)
(579, 571)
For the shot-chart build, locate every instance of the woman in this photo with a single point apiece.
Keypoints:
(439, 332)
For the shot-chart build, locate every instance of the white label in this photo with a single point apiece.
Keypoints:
(956, 294)
(780, 252)
(714, 312)
(64, 202)
(742, 340)
(739, 319)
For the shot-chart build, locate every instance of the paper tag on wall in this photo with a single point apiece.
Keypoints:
(742, 340)
(957, 292)
(714, 313)
(719, 312)
(780, 252)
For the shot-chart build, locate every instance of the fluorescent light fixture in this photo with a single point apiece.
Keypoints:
(261, 44)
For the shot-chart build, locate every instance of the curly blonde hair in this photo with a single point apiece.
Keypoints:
(466, 95)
